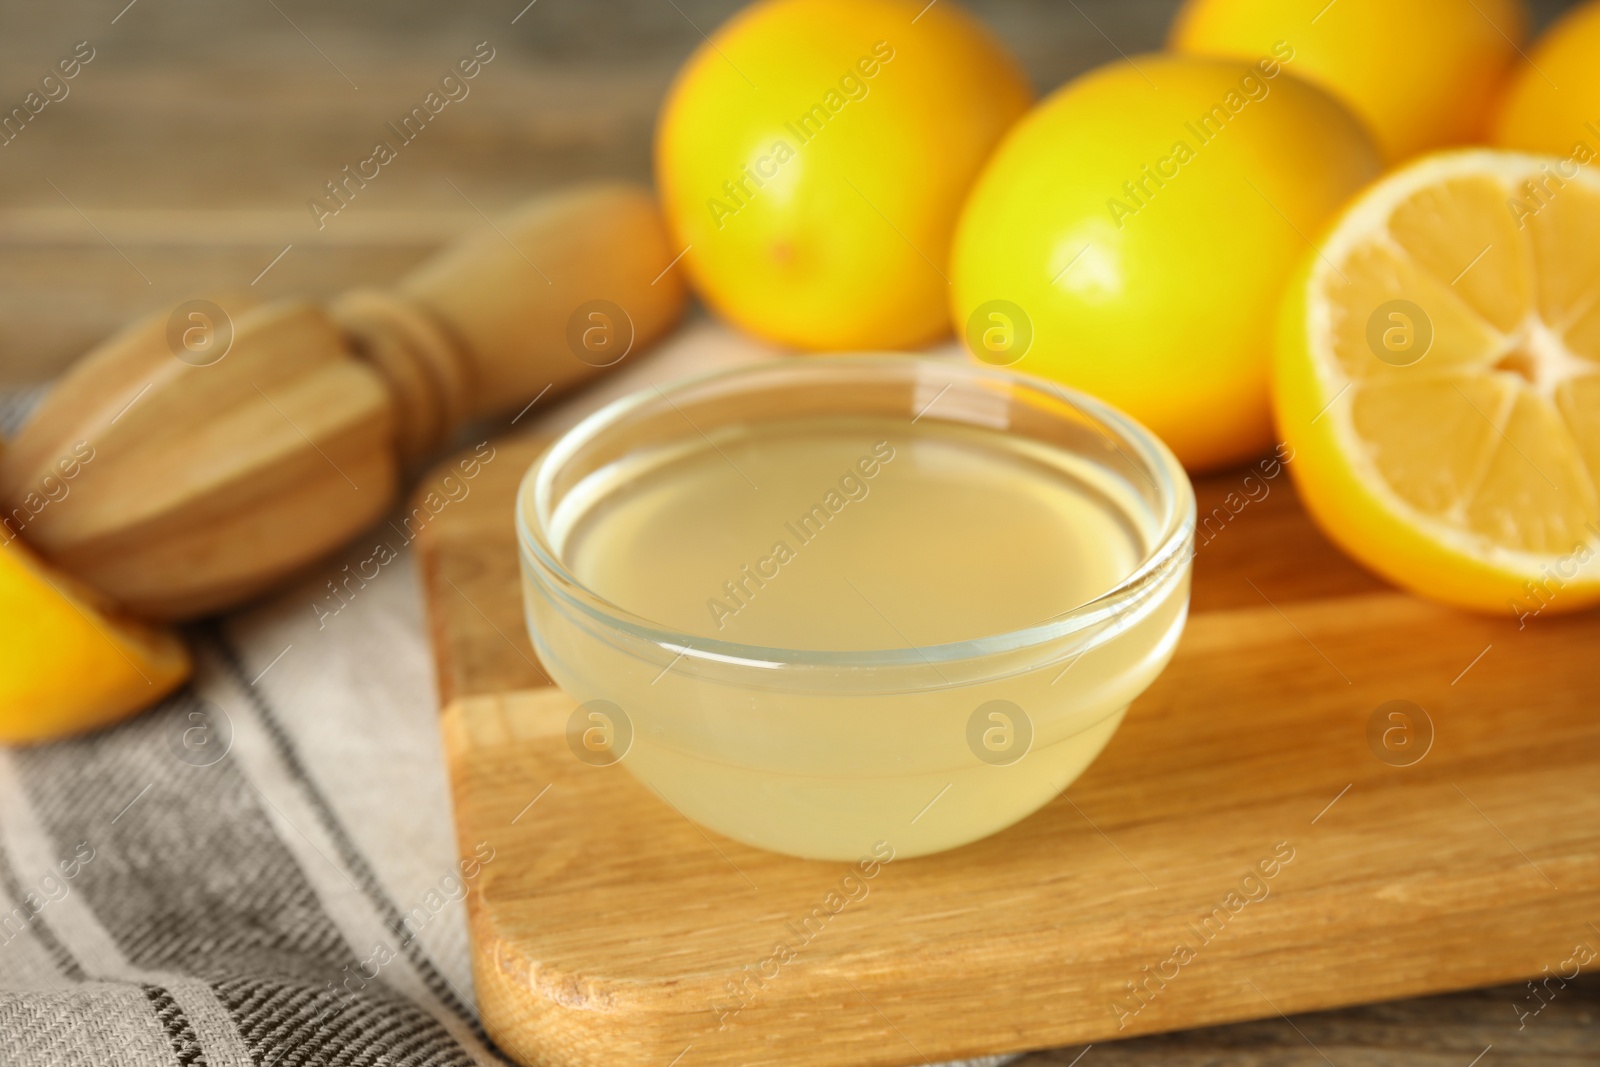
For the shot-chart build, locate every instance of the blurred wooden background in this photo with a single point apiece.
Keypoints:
(183, 157)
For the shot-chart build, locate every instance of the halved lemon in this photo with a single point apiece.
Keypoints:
(69, 661)
(1438, 380)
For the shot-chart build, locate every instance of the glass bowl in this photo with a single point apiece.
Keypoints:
(848, 745)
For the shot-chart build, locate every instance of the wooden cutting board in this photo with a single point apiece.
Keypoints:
(610, 930)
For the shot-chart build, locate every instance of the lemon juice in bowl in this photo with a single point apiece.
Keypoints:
(820, 604)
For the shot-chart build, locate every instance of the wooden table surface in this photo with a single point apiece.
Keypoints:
(183, 157)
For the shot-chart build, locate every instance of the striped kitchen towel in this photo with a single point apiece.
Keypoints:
(260, 871)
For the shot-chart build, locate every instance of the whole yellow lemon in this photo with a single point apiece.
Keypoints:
(813, 155)
(1535, 115)
(1421, 73)
(1133, 235)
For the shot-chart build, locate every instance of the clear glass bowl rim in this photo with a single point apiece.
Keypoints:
(1176, 500)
